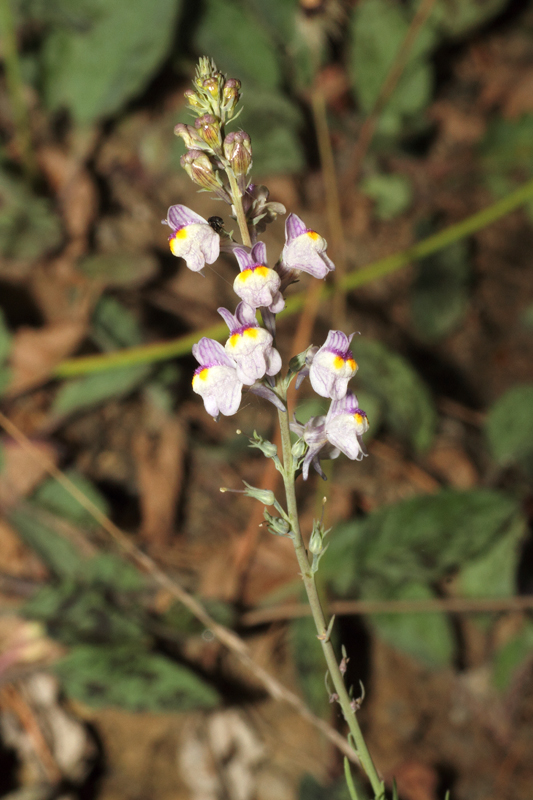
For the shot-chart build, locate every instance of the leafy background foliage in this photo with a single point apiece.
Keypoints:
(104, 78)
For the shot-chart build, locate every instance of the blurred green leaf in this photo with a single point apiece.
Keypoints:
(392, 194)
(95, 70)
(273, 123)
(109, 570)
(507, 150)
(136, 681)
(509, 427)
(439, 296)
(28, 226)
(494, 574)
(239, 44)
(311, 789)
(119, 269)
(83, 393)
(309, 661)
(427, 637)
(54, 497)
(421, 539)
(5, 338)
(378, 29)
(407, 406)
(526, 317)
(458, 17)
(113, 326)
(59, 555)
(509, 658)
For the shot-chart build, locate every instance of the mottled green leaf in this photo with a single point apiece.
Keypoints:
(133, 680)
(407, 406)
(421, 539)
(495, 573)
(113, 325)
(273, 123)
(94, 70)
(509, 427)
(440, 291)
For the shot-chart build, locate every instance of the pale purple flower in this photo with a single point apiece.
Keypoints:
(192, 237)
(216, 380)
(345, 425)
(257, 284)
(305, 249)
(340, 431)
(249, 345)
(333, 366)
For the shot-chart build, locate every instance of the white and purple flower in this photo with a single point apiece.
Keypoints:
(249, 345)
(340, 431)
(332, 366)
(192, 237)
(216, 379)
(257, 284)
(305, 249)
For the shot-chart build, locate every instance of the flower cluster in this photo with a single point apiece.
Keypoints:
(220, 162)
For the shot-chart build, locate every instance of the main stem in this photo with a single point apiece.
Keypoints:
(317, 612)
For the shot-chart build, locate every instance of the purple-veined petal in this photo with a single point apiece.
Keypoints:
(209, 353)
(219, 388)
(263, 391)
(259, 253)
(244, 258)
(294, 226)
(245, 314)
(179, 216)
(228, 318)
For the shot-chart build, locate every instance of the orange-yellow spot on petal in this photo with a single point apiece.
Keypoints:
(251, 333)
(313, 235)
(352, 363)
(244, 275)
(262, 271)
(359, 418)
(338, 362)
(233, 339)
(200, 376)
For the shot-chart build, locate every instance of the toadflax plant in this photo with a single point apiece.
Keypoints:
(221, 162)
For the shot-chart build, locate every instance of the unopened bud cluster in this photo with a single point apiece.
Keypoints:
(211, 151)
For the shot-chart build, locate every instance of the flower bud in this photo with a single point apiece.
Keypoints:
(238, 151)
(267, 448)
(192, 99)
(265, 496)
(298, 449)
(200, 170)
(276, 525)
(230, 96)
(316, 544)
(189, 136)
(208, 129)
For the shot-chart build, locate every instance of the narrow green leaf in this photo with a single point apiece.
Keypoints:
(83, 393)
(54, 497)
(57, 553)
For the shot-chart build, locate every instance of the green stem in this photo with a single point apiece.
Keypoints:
(316, 609)
(161, 351)
(15, 88)
(237, 205)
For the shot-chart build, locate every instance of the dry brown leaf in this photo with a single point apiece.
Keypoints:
(16, 559)
(159, 461)
(416, 781)
(519, 99)
(452, 464)
(36, 351)
(22, 473)
(456, 124)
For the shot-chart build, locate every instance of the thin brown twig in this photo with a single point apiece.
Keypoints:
(389, 85)
(224, 635)
(455, 605)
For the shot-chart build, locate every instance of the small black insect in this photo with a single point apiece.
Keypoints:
(217, 223)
